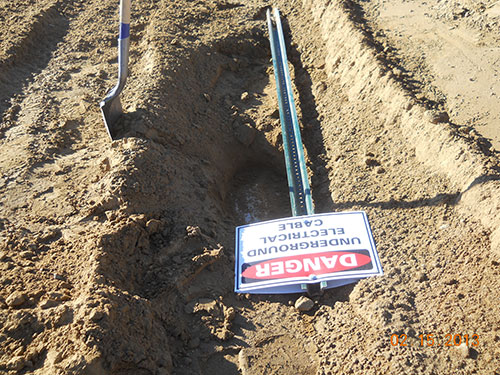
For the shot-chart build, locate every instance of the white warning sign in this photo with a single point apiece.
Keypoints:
(278, 256)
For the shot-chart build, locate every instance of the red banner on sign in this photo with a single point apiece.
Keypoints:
(305, 265)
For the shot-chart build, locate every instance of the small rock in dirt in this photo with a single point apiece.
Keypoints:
(463, 350)
(62, 316)
(244, 133)
(370, 162)
(224, 334)
(105, 165)
(50, 234)
(54, 357)
(451, 281)
(408, 105)
(421, 277)
(96, 315)
(153, 226)
(102, 74)
(16, 363)
(245, 96)
(397, 72)
(193, 231)
(321, 87)
(380, 170)
(58, 296)
(207, 97)
(304, 304)
(56, 276)
(174, 42)
(59, 170)
(420, 96)
(436, 117)
(15, 299)
(27, 254)
(229, 314)
(206, 304)
(48, 303)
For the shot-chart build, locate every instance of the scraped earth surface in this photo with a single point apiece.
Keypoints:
(117, 257)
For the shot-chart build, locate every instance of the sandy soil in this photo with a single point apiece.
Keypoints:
(117, 257)
(451, 48)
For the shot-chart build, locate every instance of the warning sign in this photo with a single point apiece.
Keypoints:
(278, 256)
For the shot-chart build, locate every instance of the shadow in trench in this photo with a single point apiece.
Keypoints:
(481, 180)
(438, 200)
(259, 193)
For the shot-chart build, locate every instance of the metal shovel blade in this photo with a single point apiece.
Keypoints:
(111, 109)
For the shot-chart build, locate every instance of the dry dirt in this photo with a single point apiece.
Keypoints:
(117, 257)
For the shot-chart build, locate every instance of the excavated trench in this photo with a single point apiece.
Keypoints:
(216, 162)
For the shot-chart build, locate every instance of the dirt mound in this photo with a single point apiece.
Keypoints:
(117, 257)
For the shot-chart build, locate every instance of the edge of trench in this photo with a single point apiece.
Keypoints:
(351, 57)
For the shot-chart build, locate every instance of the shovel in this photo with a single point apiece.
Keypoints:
(111, 106)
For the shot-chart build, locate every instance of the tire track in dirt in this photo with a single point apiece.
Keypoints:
(29, 56)
(46, 28)
(450, 40)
